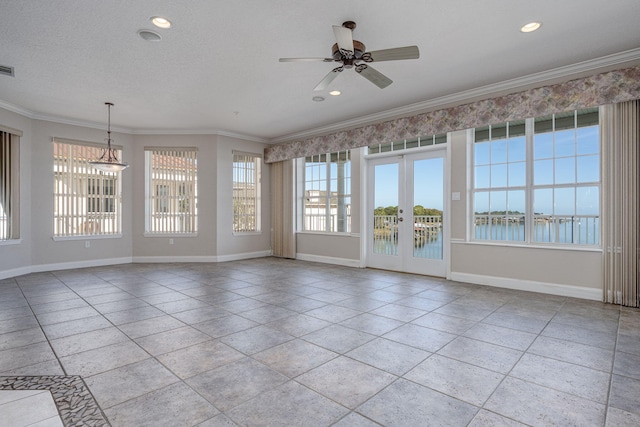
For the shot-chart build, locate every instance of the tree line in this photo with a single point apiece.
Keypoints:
(418, 210)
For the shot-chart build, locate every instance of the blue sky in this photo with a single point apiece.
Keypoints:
(428, 188)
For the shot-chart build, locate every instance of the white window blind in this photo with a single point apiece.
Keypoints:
(171, 190)
(246, 192)
(86, 201)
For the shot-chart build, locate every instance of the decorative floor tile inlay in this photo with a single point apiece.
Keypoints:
(72, 397)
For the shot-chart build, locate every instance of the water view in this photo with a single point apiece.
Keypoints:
(428, 237)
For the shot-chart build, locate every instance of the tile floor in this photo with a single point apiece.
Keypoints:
(21, 408)
(272, 342)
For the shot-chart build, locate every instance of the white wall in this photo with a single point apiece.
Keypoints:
(37, 251)
(200, 247)
(230, 246)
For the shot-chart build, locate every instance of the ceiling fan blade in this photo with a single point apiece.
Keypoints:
(344, 37)
(326, 81)
(407, 52)
(306, 60)
(374, 76)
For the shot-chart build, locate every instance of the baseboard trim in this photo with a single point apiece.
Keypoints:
(246, 255)
(345, 262)
(7, 274)
(530, 285)
(79, 264)
(161, 259)
(213, 258)
(15, 272)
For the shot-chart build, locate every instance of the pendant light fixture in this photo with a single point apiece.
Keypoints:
(108, 161)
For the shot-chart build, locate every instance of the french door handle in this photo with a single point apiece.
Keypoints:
(400, 219)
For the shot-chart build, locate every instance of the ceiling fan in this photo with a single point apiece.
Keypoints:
(352, 54)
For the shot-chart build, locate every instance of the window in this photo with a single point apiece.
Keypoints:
(101, 194)
(499, 178)
(86, 201)
(566, 178)
(407, 144)
(171, 190)
(538, 181)
(246, 192)
(327, 192)
(9, 186)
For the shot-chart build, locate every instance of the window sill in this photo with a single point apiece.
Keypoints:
(329, 233)
(246, 233)
(555, 247)
(86, 237)
(187, 235)
(10, 242)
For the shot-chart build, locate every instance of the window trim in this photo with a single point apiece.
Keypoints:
(149, 152)
(86, 176)
(258, 159)
(301, 194)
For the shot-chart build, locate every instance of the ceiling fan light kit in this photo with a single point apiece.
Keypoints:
(352, 54)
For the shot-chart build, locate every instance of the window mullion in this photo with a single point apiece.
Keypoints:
(529, 216)
(327, 208)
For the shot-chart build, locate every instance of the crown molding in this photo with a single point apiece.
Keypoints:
(101, 126)
(602, 64)
(34, 115)
(217, 132)
(15, 109)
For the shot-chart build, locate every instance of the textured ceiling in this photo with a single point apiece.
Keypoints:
(217, 69)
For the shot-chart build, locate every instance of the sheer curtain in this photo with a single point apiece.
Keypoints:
(620, 193)
(282, 202)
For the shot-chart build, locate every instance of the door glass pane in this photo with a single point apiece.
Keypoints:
(385, 215)
(428, 197)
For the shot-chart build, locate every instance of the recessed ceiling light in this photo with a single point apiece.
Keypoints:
(161, 22)
(335, 93)
(531, 26)
(318, 98)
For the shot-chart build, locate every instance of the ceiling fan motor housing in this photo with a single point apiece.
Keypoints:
(358, 47)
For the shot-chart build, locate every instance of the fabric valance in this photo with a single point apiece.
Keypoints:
(600, 89)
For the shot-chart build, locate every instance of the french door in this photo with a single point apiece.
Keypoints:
(406, 221)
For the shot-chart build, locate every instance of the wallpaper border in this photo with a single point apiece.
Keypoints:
(600, 89)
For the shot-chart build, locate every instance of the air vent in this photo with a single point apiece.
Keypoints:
(6, 71)
(149, 36)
